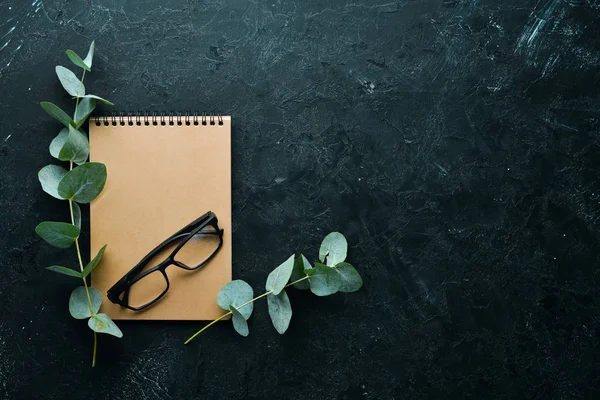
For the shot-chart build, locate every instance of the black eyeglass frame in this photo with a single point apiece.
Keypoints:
(124, 284)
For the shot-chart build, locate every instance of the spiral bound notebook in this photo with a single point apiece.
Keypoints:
(163, 173)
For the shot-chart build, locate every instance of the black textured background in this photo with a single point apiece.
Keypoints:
(454, 142)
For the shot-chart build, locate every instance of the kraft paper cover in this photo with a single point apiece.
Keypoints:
(161, 178)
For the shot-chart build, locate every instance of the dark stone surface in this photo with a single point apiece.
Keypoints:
(454, 143)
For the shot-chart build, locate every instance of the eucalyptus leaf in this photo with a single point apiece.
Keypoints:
(280, 276)
(325, 280)
(78, 302)
(236, 293)
(90, 267)
(91, 96)
(351, 280)
(70, 82)
(90, 55)
(300, 264)
(333, 248)
(57, 113)
(76, 148)
(102, 323)
(58, 142)
(76, 214)
(65, 271)
(49, 177)
(58, 234)
(280, 311)
(239, 322)
(84, 183)
(75, 59)
(84, 109)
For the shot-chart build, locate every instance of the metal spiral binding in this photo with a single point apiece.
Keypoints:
(158, 119)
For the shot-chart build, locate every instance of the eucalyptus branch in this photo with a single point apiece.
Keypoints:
(72, 145)
(322, 280)
(243, 305)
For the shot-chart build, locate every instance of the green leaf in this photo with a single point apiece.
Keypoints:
(84, 109)
(57, 113)
(325, 280)
(70, 82)
(58, 142)
(280, 311)
(75, 59)
(351, 280)
(84, 183)
(334, 247)
(77, 214)
(236, 293)
(300, 264)
(239, 322)
(58, 234)
(78, 302)
(102, 323)
(65, 271)
(49, 177)
(90, 55)
(76, 148)
(91, 96)
(280, 276)
(90, 267)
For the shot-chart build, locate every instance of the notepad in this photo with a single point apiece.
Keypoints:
(163, 173)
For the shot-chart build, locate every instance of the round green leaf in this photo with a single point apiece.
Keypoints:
(334, 248)
(57, 113)
(280, 276)
(280, 311)
(58, 234)
(351, 280)
(325, 280)
(75, 59)
(76, 148)
(239, 322)
(78, 302)
(70, 82)
(102, 323)
(84, 183)
(65, 271)
(300, 264)
(236, 293)
(85, 108)
(49, 177)
(58, 142)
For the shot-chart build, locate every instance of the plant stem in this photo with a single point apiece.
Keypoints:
(77, 101)
(95, 346)
(87, 290)
(207, 326)
(243, 305)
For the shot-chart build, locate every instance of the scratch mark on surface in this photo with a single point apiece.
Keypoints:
(8, 137)
(9, 31)
(534, 27)
(5, 44)
(550, 64)
(443, 171)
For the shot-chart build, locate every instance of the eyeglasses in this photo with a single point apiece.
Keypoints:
(147, 282)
